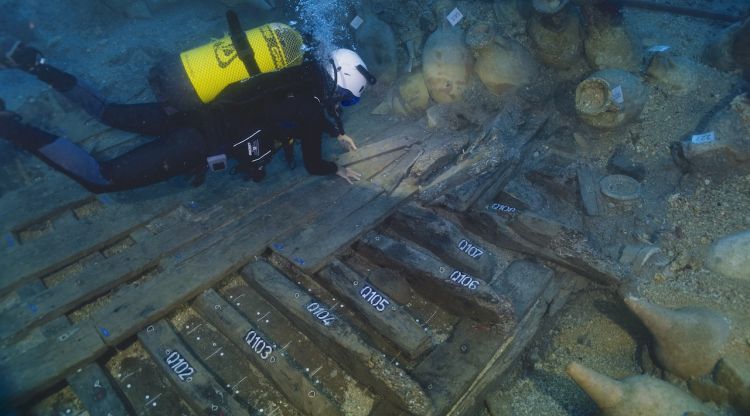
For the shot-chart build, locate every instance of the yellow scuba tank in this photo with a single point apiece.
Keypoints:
(198, 75)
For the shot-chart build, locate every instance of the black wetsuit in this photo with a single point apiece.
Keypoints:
(243, 130)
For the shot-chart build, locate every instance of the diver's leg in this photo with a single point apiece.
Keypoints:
(149, 119)
(182, 151)
(58, 152)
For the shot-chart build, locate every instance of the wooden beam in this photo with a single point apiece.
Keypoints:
(451, 288)
(529, 233)
(450, 242)
(193, 382)
(322, 323)
(28, 372)
(286, 374)
(95, 390)
(383, 314)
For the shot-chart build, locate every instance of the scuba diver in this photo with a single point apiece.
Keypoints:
(243, 120)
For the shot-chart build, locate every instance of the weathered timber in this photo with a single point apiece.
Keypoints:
(376, 149)
(287, 375)
(93, 387)
(450, 368)
(517, 194)
(76, 239)
(107, 273)
(228, 364)
(35, 203)
(462, 294)
(555, 174)
(390, 282)
(217, 255)
(143, 384)
(547, 239)
(439, 151)
(523, 282)
(29, 371)
(589, 190)
(340, 338)
(384, 315)
(462, 196)
(494, 368)
(395, 174)
(489, 160)
(475, 354)
(198, 389)
(450, 242)
(310, 248)
(327, 372)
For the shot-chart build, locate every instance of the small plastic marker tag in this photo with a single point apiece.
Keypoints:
(703, 138)
(9, 240)
(33, 308)
(104, 331)
(278, 246)
(356, 22)
(659, 48)
(299, 260)
(104, 199)
(617, 96)
(455, 16)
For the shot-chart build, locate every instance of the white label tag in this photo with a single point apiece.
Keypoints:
(455, 16)
(253, 148)
(356, 22)
(617, 96)
(659, 48)
(703, 138)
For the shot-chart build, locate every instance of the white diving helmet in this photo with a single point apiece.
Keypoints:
(350, 73)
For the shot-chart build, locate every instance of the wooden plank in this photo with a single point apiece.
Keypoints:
(541, 237)
(450, 242)
(228, 364)
(288, 376)
(77, 239)
(22, 207)
(194, 383)
(340, 338)
(372, 150)
(494, 154)
(383, 314)
(494, 368)
(105, 274)
(142, 383)
(452, 366)
(27, 372)
(523, 282)
(311, 247)
(351, 395)
(217, 255)
(456, 291)
(94, 388)
(589, 189)
(108, 273)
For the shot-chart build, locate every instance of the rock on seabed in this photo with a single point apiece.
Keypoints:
(730, 256)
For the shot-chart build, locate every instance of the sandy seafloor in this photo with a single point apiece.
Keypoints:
(114, 53)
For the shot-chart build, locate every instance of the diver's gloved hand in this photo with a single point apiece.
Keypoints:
(348, 174)
(20, 56)
(347, 142)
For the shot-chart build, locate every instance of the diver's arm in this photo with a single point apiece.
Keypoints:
(313, 157)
